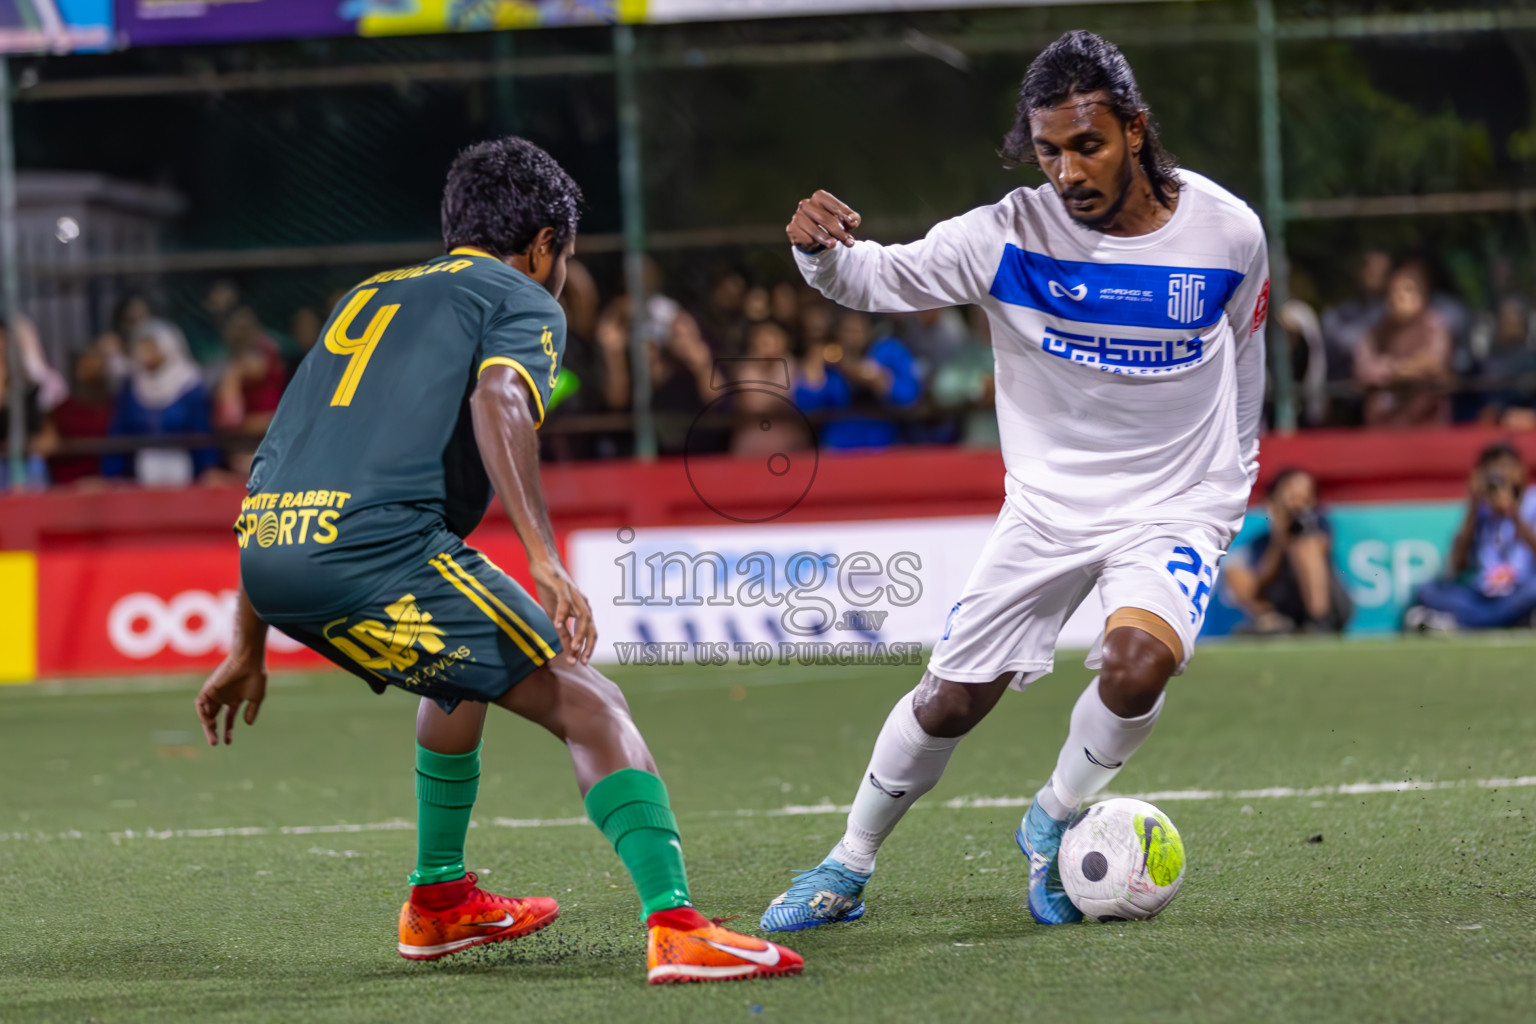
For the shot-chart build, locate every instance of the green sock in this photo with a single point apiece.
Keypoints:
(631, 809)
(446, 785)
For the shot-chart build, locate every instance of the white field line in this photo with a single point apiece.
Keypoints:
(796, 810)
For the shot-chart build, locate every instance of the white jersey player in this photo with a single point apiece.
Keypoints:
(1127, 302)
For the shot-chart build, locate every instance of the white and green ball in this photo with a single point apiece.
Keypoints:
(1121, 860)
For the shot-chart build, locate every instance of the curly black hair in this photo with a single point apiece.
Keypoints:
(1081, 62)
(501, 192)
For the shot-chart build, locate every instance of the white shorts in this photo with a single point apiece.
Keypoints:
(1025, 585)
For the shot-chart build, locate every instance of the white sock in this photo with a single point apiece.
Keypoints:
(1099, 743)
(907, 763)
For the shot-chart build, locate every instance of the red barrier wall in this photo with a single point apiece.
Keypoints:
(138, 579)
(1349, 465)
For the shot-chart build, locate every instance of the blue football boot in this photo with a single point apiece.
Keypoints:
(1039, 837)
(828, 893)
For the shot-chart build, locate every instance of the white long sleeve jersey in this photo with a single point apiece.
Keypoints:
(1130, 371)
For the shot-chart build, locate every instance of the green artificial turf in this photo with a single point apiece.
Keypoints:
(1418, 905)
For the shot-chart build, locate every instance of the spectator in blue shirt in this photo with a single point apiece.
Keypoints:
(853, 372)
(1493, 558)
(164, 396)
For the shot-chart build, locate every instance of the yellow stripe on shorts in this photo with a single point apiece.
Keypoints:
(508, 612)
(440, 565)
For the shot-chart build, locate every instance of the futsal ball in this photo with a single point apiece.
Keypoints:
(1121, 860)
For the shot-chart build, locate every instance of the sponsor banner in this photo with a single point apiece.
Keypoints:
(743, 591)
(18, 610)
(55, 26)
(168, 22)
(164, 608)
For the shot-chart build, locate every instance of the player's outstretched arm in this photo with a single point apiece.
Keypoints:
(953, 265)
(241, 677)
(509, 447)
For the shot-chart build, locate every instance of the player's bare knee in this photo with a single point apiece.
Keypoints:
(948, 709)
(1136, 669)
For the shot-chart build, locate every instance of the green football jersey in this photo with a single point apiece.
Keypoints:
(372, 446)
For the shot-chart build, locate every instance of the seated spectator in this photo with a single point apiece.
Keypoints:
(966, 384)
(767, 423)
(854, 372)
(131, 313)
(41, 438)
(1493, 558)
(86, 414)
(681, 372)
(1404, 361)
(164, 396)
(1511, 363)
(723, 323)
(253, 378)
(1284, 578)
(1345, 323)
(933, 336)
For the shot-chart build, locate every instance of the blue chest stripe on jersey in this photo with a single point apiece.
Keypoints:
(1123, 355)
(1115, 294)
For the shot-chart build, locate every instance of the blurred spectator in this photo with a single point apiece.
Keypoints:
(933, 336)
(251, 381)
(304, 326)
(580, 387)
(164, 396)
(1344, 323)
(1404, 361)
(757, 305)
(1509, 368)
(722, 320)
(965, 383)
(51, 386)
(784, 306)
(1284, 578)
(132, 313)
(854, 372)
(766, 422)
(1493, 557)
(85, 415)
(681, 366)
(41, 438)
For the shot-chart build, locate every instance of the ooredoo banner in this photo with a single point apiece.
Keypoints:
(163, 608)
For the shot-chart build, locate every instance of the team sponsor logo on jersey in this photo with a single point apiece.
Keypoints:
(1135, 356)
(388, 645)
(298, 517)
(1261, 309)
(1146, 296)
(1186, 297)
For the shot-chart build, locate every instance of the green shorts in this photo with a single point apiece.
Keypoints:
(456, 629)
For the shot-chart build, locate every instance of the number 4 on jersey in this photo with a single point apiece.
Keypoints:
(358, 350)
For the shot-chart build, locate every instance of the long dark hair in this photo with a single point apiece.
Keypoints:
(1081, 62)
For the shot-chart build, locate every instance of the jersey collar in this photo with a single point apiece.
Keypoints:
(469, 250)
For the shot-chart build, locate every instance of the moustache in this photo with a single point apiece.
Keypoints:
(1081, 193)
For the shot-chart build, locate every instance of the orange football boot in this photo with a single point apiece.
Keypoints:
(687, 946)
(452, 916)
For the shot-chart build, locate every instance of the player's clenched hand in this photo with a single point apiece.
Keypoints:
(567, 607)
(821, 222)
(236, 680)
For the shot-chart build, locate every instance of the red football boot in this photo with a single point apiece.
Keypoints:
(452, 916)
(687, 946)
